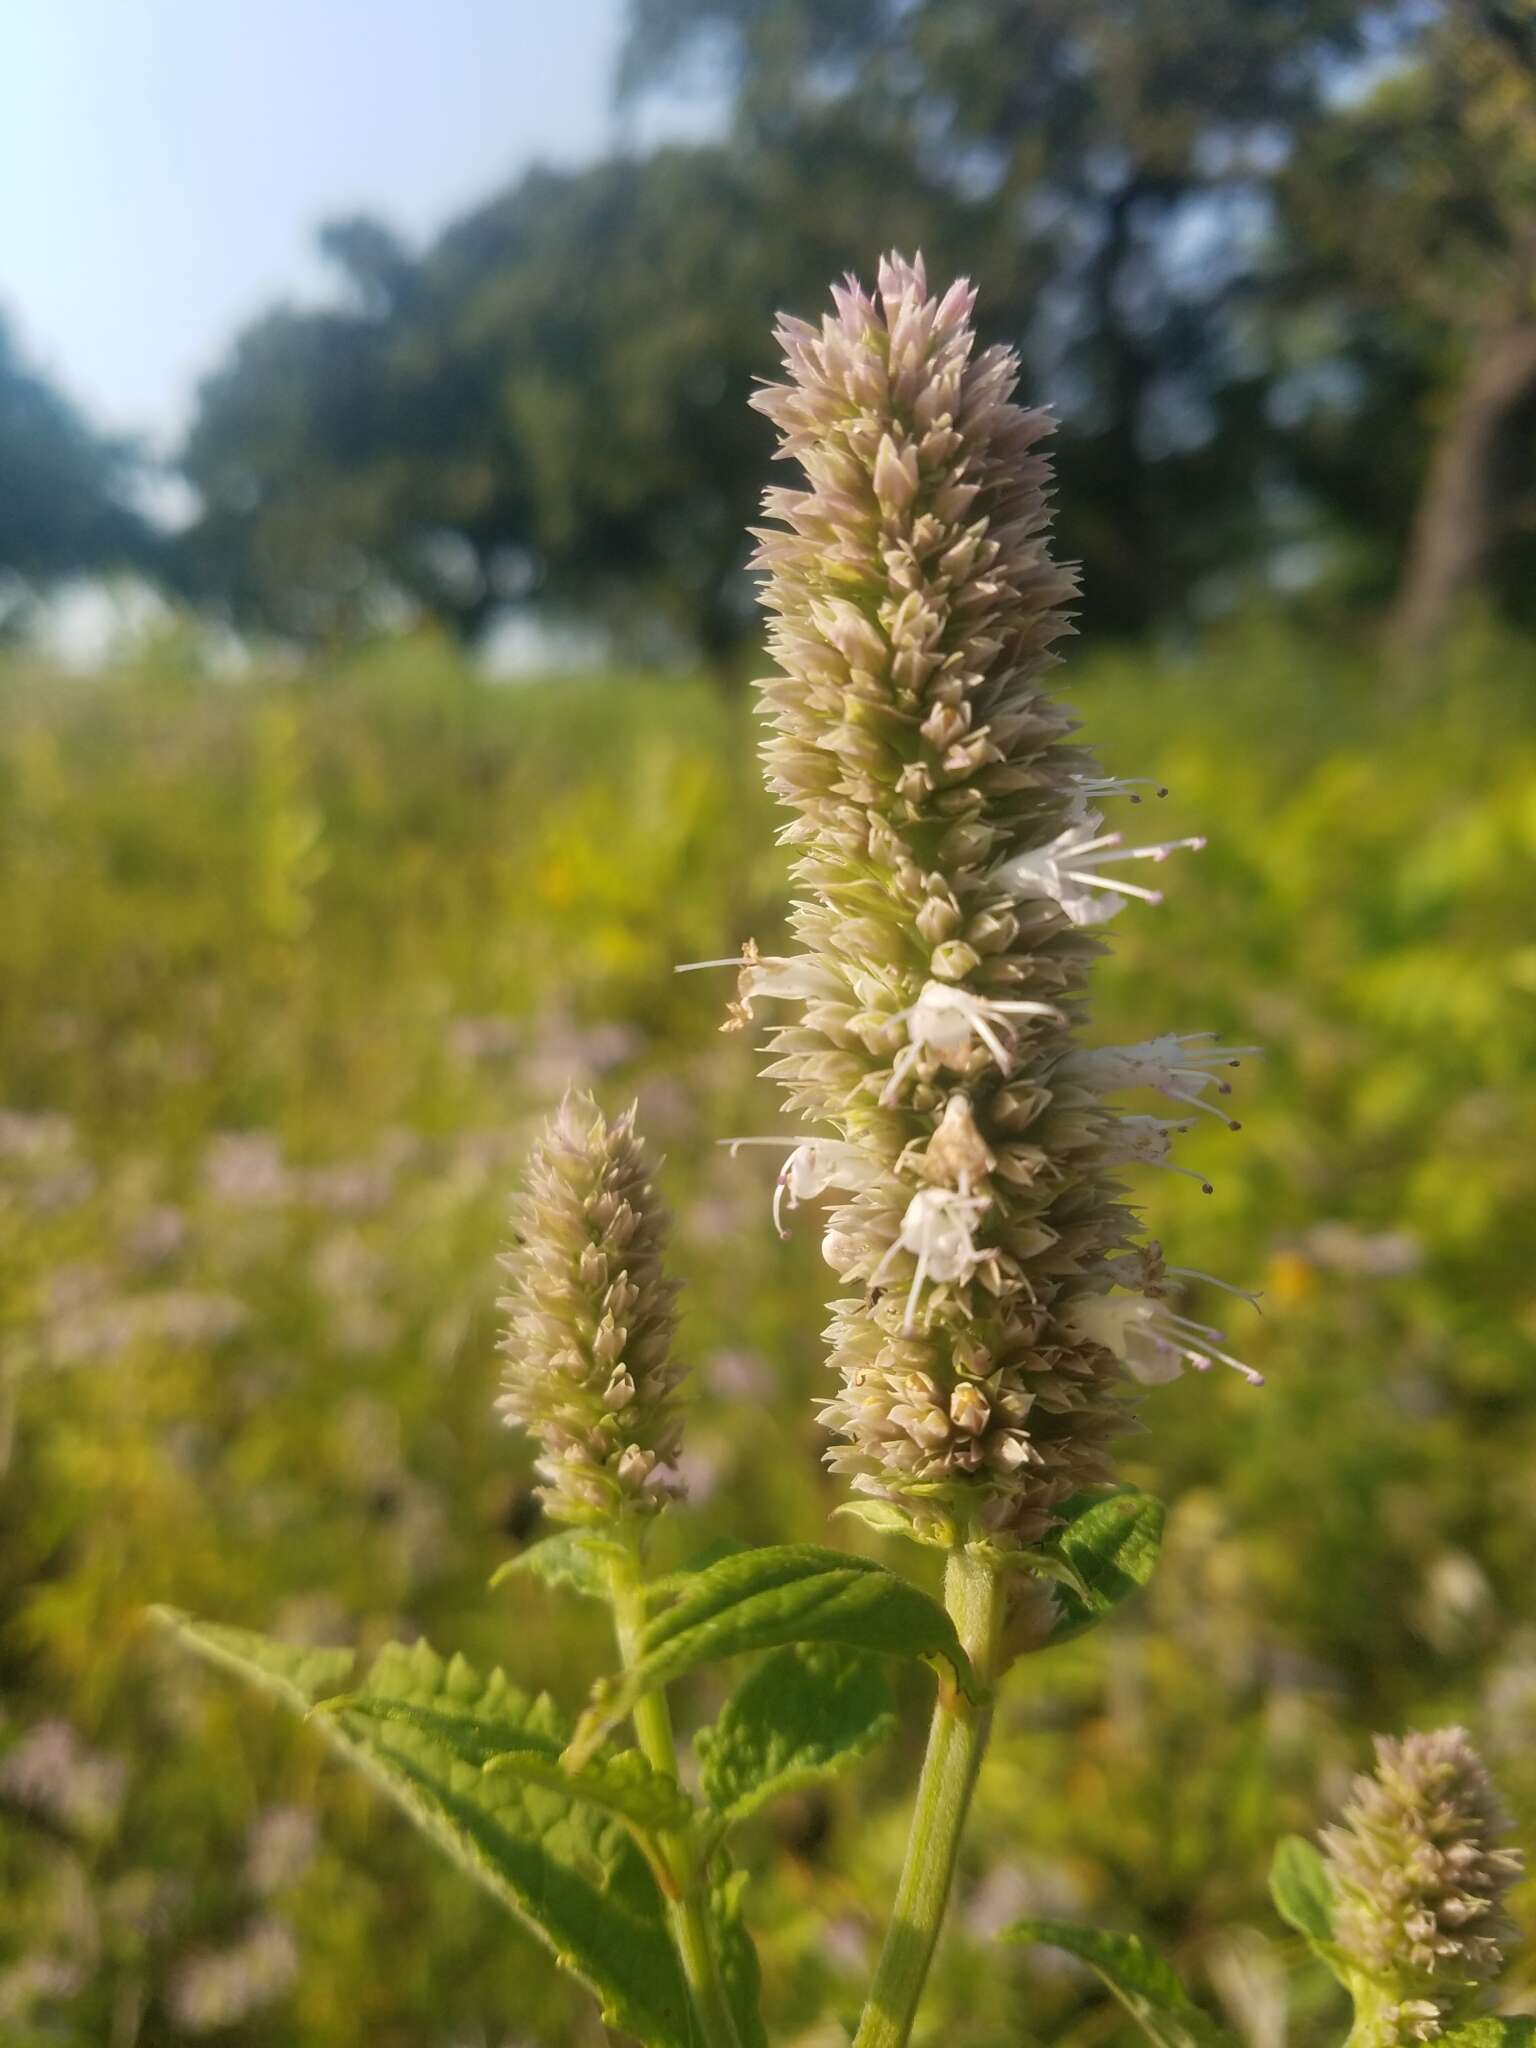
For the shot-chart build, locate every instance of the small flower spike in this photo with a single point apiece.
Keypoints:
(588, 1368)
(952, 862)
(1419, 1872)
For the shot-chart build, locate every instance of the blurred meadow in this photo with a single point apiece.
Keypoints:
(310, 910)
(292, 965)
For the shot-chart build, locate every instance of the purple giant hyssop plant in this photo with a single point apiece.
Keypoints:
(998, 1304)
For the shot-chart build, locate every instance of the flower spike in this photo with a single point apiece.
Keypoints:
(1419, 1872)
(951, 866)
(589, 1372)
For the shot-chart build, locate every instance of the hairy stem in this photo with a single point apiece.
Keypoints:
(687, 1892)
(973, 1593)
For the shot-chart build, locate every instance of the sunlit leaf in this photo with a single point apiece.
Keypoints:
(1298, 1884)
(572, 1559)
(571, 1872)
(791, 1593)
(1111, 1548)
(806, 1712)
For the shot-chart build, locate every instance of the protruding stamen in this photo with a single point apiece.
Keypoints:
(1062, 870)
(1150, 1339)
(1211, 1280)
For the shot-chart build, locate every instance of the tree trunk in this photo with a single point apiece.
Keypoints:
(1455, 523)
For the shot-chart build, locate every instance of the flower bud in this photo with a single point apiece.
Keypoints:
(588, 1370)
(1419, 1875)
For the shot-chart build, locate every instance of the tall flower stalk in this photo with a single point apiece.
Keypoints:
(997, 1301)
(589, 1374)
(953, 869)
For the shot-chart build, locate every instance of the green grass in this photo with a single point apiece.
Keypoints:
(289, 966)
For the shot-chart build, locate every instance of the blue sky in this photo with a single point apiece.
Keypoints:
(164, 163)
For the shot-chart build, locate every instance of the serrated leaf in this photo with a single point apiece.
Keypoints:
(1111, 1544)
(790, 1593)
(573, 1874)
(472, 1741)
(1139, 1978)
(1298, 1884)
(572, 1558)
(624, 1784)
(298, 1676)
(805, 1713)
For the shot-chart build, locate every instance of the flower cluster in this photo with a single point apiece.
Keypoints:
(588, 1369)
(953, 864)
(1420, 1877)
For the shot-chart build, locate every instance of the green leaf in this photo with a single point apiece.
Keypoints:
(571, 1872)
(1045, 1564)
(1298, 1884)
(1492, 2032)
(1111, 1545)
(740, 1977)
(572, 1558)
(790, 1593)
(295, 1675)
(805, 1713)
(672, 1582)
(879, 1515)
(1138, 1977)
(624, 1784)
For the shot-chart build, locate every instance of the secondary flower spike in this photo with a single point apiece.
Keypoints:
(1419, 1874)
(952, 864)
(589, 1372)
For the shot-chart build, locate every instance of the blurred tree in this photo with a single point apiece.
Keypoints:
(1271, 260)
(344, 460)
(1124, 156)
(548, 403)
(1415, 212)
(65, 491)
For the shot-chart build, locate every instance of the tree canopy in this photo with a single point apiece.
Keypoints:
(66, 506)
(549, 399)
(1270, 260)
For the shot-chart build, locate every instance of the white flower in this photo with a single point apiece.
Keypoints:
(1179, 1066)
(813, 1166)
(1064, 870)
(938, 1230)
(945, 1021)
(799, 977)
(1150, 1339)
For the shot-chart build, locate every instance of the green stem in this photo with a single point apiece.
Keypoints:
(687, 1892)
(973, 1593)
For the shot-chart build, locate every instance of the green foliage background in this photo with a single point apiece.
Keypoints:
(290, 965)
